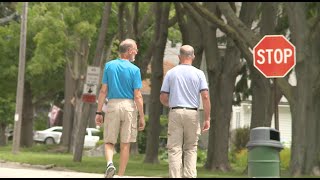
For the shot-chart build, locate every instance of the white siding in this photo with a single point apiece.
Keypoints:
(284, 124)
(285, 120)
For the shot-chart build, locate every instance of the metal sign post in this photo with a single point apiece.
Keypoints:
(274, 56)
(90, 87)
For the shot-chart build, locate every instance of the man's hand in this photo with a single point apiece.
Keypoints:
(99, 119)
(206, 125)
(141, 124)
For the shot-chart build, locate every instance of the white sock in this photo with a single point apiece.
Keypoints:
(109, 163)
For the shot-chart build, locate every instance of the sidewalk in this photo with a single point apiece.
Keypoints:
(15, 170)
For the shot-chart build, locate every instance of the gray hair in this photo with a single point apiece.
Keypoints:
(125, 45)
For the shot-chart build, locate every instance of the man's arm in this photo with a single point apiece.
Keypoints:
(207, 108)
(102, 95)
(139, 103)
(164, 98)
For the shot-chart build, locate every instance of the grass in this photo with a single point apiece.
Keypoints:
(49, 154)
(45, 155)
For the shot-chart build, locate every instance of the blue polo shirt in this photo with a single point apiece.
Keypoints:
(122, 78)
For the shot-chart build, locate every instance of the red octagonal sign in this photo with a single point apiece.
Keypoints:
(274, 56)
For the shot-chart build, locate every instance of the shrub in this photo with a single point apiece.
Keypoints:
(142, 135)
(99, 143)
(163, 154)
(241, 138)
(241, 158)
(285, 158)
(100, 133)
(201, 156)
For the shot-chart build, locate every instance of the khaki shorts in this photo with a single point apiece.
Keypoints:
(121, 116)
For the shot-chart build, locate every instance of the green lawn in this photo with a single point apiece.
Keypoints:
(47, 155)
(43, 155)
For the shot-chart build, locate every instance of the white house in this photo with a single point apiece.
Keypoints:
(241, 117)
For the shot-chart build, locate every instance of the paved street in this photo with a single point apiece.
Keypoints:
(14, 170)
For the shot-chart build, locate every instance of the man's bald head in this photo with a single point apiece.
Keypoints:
(187, 51)
(126, 44)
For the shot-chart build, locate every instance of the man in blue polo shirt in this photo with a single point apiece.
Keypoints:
(121, 84)
(181, 91)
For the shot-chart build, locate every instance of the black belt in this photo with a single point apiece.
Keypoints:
(178, 107)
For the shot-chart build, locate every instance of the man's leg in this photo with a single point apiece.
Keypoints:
(108, 151)
(111, 131)
(110, 171)
(191, 137)
(124, 157)
(174, 145)
(128, 133)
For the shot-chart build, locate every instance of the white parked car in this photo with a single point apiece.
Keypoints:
(53, 136)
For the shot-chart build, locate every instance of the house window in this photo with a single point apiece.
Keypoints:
(237, 120)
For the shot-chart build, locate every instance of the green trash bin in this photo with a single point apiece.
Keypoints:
(263, 153)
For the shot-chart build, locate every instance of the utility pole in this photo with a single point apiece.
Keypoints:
(20, 86)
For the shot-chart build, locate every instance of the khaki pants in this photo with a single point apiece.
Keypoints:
(121, 116)
(183, 136)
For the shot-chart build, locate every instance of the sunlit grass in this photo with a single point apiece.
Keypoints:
(43, 155)
(48, 155)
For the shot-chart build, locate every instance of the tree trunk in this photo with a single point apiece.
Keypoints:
(68, 108)
(142, 61)
(27, 118)
(81, 131)
(299, 110)
(134, 146)
(222, 84)
(81, 111)
(263, 103)
(102, 33)
(121, 27)
(311, 162)
(3, 138)
(98, 54)
(314, 165)
(190, 28)
(162, 14)
(216, 159)
(129, 23)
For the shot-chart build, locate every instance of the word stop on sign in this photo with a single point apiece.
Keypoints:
(279, 56)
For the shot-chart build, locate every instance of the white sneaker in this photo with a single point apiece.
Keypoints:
(111, 170)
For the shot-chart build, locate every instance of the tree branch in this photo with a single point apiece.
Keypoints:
(135, 19)
(146, 21)
(45, 97)
(243, 42)
(212, 18)
(8, 18)
(120, 20)
(234, 21)
(173, 21)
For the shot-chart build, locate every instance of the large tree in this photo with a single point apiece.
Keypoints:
(300, 102)
(161, 34)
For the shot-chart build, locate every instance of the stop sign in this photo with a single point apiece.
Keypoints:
(274, 56)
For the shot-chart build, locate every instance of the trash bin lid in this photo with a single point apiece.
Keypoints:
(264, 136)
